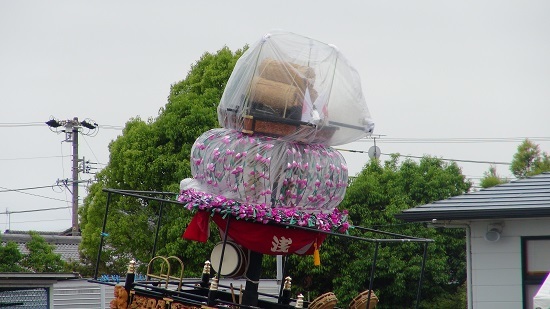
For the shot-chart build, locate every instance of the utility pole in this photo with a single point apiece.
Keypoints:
(71, 129)
(75, 227)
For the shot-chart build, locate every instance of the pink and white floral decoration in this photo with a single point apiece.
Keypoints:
(257, 169)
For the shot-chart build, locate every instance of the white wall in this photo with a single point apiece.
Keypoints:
(496, 266)
(81, 294)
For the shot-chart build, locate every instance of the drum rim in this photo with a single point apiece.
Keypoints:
(235, 267)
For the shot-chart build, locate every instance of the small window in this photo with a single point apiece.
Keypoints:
(538, 257)
(535, 265)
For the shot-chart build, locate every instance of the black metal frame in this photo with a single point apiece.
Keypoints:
(211, 297)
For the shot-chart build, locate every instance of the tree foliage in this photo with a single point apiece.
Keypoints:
(491, 178)
(10, 256)
(529, 160)
(373, 198)
(40, 257)
(154, 156)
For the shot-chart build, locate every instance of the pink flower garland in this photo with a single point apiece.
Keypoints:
(337, 221)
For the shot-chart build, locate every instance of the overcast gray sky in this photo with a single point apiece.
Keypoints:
(468, 71)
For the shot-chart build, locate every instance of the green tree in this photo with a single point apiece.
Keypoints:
(491, 178)
(41, 257)
(529, 160)
(154, 156)
(375, 196)
(10, 256)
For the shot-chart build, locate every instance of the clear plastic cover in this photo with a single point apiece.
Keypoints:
(297, 89)
(260, 170)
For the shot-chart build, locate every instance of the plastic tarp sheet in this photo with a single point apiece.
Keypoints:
(298, 89)
(541, 300)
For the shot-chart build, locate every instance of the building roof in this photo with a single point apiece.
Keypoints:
(26, 281)
(42, 276)
(523, 198)
(66, 246)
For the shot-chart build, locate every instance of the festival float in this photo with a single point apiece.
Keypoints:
(269, 179)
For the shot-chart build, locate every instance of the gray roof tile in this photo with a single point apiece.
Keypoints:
(66, 246)
(523, 198)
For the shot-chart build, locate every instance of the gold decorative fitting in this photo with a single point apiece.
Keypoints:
(300, 301)
(206, 269)
(214, 285)
(288, 283)
(165, 271)
(132, 266)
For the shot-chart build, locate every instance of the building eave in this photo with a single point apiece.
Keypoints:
(429, 215)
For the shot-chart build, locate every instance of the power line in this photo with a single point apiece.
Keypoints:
(418, 157)
(454, 140)
(37, 195)
(110, 127)
(41, 123)
(24, 189)
(20, 124)
(33, 210)
(93, 153)
(30, 158)
(40, 221)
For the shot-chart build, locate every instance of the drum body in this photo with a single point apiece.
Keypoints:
(234, 259)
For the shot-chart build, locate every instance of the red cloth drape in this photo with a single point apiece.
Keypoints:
(198, 229)
(270, 239)
(264, 238)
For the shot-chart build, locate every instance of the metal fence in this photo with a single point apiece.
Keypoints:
(22, 298)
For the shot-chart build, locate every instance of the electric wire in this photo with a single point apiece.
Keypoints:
(36, 195)
(42, 123)
(29, 158)
(453, 140)
(33, 210)
(31, 221)
(91, 150)
(21, 124)
(24, 189)
(419, 157)
(63, 171)
(110, 127)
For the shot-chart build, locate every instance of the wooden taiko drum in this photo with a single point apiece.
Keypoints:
(234, 259)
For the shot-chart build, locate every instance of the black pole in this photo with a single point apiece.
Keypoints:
(253, 272)
(158, 229)
(423, 267)
(373, 269)
(205, 279)
(130, 276)
(212, 291)
(284, 298)
(102, 236)
(281, 289)
(223, 247)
